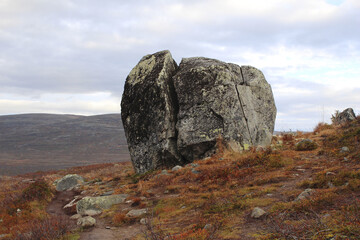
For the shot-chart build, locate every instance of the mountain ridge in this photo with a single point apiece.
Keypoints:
(39, 142)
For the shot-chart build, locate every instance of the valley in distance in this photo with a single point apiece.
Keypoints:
(43, 142)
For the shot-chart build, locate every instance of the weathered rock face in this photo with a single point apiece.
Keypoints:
(148, 112)
(217, 98)
(173, 115)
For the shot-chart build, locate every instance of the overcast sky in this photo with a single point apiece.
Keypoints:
(73, 56)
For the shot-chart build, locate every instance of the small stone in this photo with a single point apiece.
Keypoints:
(136, 212)
(194, 171)
(305, 145)
(344, 149)
(183, 207)
(86, 222)
(164, 172)
(269, 194)
(143, 221)
(330, 173)
(305, 194)
(166, 191)
(107, 227)
(143, 198)
(195, 165)
(330, 185)
(257, 213)
(176, 168)
(208, 226)
(68, 182)
(346, 159)
(75, 216)
(220, 159)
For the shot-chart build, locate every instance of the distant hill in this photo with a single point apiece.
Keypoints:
(33, 142)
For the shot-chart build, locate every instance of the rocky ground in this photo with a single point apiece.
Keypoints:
(289, 191)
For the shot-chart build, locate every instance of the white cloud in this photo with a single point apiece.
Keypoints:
(83, 104)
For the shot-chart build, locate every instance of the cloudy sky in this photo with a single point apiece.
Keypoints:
(72, 56)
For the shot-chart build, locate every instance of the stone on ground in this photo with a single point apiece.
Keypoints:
(136, 212)
(68, 182)
(86, 222)
(99, 203)
(257, 212)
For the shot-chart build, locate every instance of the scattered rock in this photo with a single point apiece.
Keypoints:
(75, 216)
(68, 182)
(136, 212)
(194, 171)
(143, 221)
(257, 212)
(86, 222)
(305, 145)
(165, 172)
(344, 149)
(345, 116)
(195, 165)
(171, 114)
(305, 194)
(176, 168)
(99, 203)
(5, 236)
(330, 185)
(208, 226)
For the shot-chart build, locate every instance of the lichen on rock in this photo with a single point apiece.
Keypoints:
(173, 114)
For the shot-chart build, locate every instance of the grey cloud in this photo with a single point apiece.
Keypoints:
(90, 46)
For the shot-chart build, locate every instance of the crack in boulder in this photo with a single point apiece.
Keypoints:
(173, 114)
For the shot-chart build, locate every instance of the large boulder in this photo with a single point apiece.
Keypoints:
(148, 112)
(217, 98)
(98, 203)
(347, 115)
(173, 115)
(68, 182)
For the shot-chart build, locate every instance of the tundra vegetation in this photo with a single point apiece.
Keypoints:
(307, 194)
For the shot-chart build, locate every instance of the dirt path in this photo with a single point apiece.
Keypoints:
(55, 207)
(100, 232)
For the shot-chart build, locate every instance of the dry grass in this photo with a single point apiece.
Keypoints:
(216, 202)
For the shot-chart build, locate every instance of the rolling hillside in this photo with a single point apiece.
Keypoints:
(33, 142)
